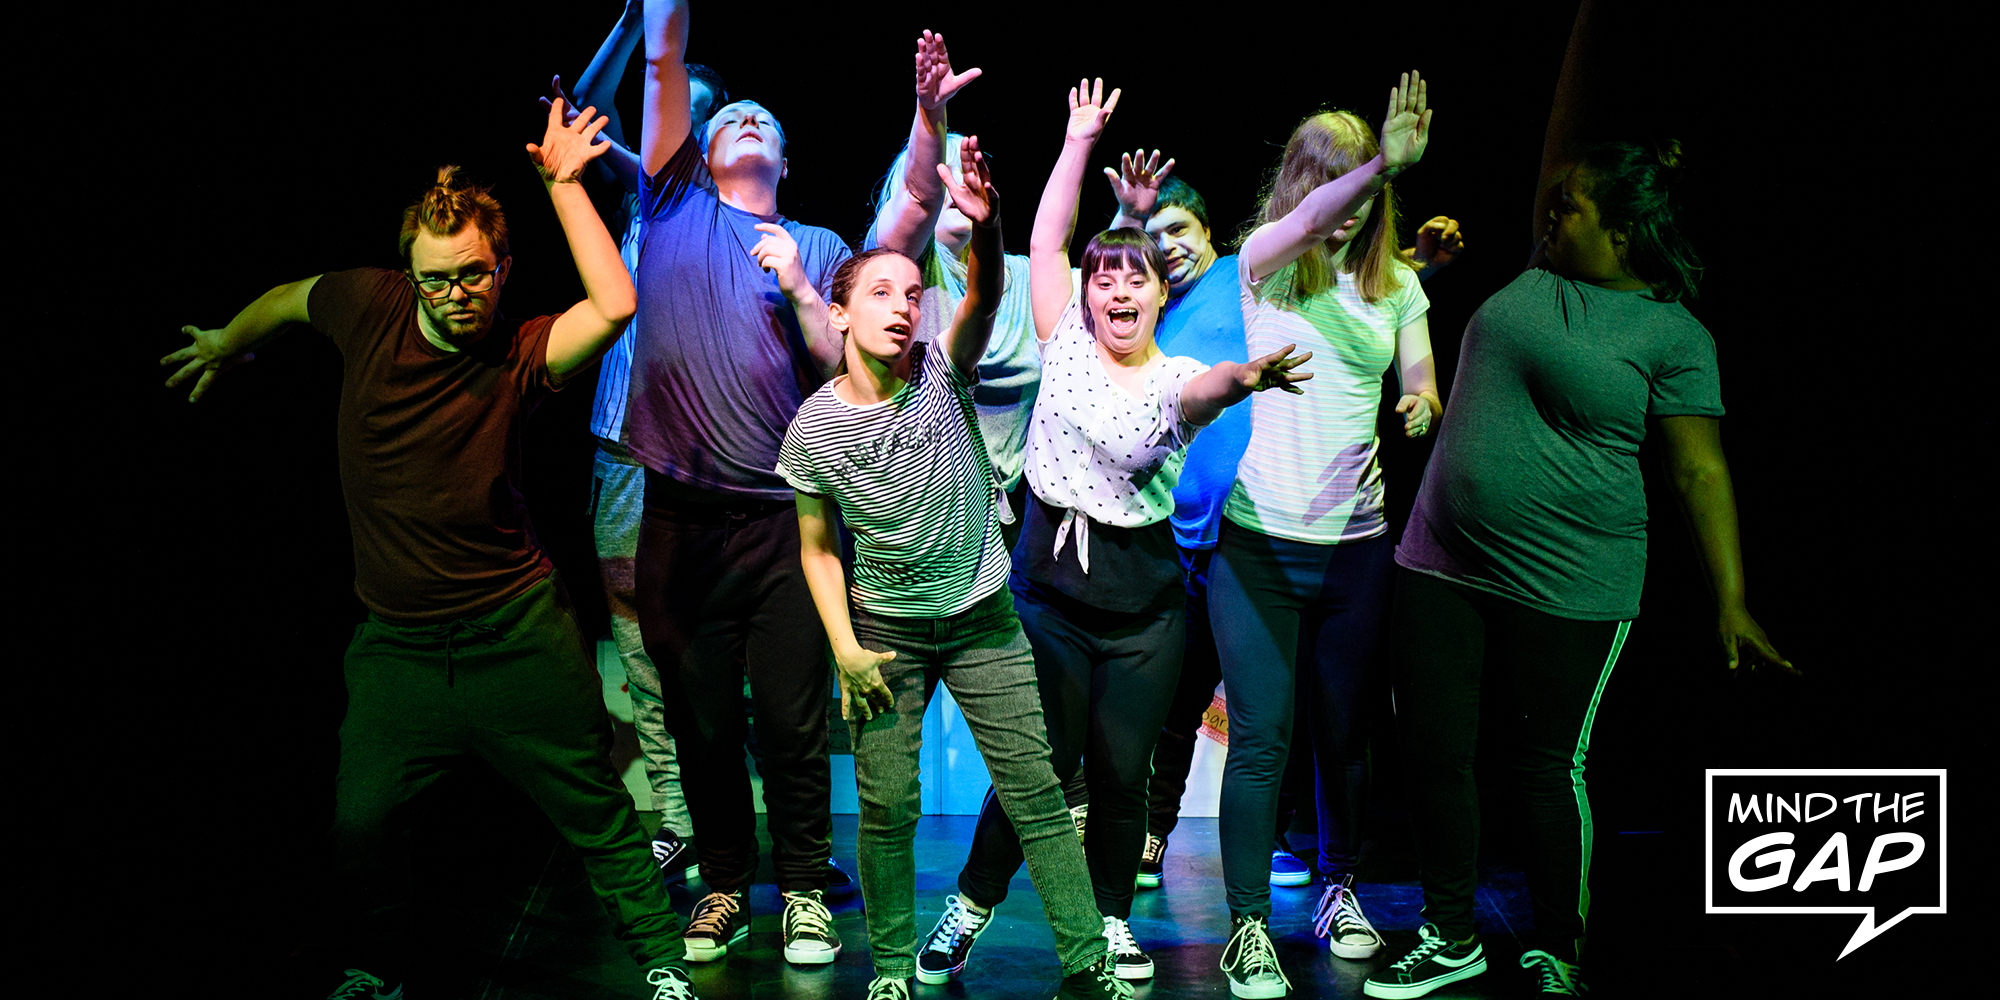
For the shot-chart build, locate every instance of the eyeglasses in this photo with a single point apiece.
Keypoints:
(437, 288)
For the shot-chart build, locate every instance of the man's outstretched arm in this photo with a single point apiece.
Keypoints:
(587, 329)
(215, 351)
(666, 116)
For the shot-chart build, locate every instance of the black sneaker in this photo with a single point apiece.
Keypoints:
(1287, 868)
(837, 880)
(808, 927)
(673, 984)
(1127, 959)
(884, 988)
(1250, 962)
(1098, 982)
(674, 856)
(1558, 978)
(1435, 961)
(718, 921)
(950, 945)
(1152, 862)
(362, 986)
(1340, 920)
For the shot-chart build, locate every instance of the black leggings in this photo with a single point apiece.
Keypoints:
(1449, 644)
(1105, 679)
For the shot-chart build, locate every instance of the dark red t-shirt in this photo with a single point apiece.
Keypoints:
(430, 451)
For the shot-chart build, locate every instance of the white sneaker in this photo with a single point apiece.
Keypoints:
(809, 935)
(1077, 814)
(1128, 960)
(1251, 963)
(1339, 919)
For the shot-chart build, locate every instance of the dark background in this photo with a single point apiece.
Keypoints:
(244, 152)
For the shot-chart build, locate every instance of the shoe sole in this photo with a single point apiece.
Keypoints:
(1256, 991)
(1301, 878)
(938, 978)
(701, 951)
(811, 956)
(1393, 991)
(1134, 972)
(1145, 881)
(1356, 952)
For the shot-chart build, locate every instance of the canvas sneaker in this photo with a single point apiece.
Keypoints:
(674, 856)
(1077, 814)
(1287, 868)
(362, 986)
(884, 988)
(808, 927)
(837, 879)
(1152, 863)
(1098, 982)
(1558, 978)
(1340, 920)
(950, 945)
(671, 983)
(1127, 959)
(718, 921)
(1435, 961)
(1250, 962)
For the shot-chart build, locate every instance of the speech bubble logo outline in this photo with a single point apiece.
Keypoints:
(1869, 929)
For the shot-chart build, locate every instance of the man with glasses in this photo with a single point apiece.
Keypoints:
(470, 647)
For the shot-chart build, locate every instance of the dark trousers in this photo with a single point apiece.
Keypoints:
(720, 593)
(1274, 604)
(1201, 671)
(1105, 679)
(515, 688)
(1450, 645)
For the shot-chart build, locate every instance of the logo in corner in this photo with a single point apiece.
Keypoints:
(1825, 840)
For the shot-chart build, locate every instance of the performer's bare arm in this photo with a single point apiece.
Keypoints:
(216, 351)
(1049, 286)
(907, 217)
(586, 330)
(985, 271)
(666, 117)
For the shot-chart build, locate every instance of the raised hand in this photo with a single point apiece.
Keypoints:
(1089, 110)
(566, 148)
(1406, 129)
(778, 253)
(973, 194)
(1438, 243)
(202, 358)
(1274, 371)
(1416, 411)
(1136, 182)
(556, 94)
(936, 83)
(862, 691)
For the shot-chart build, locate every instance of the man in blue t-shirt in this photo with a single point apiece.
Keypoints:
(729, 339)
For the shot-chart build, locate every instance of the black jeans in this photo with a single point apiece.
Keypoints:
(720, 592)
(1450, 645)
(1105, 679)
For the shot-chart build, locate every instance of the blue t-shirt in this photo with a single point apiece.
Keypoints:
(1206, 324)
(719, 366)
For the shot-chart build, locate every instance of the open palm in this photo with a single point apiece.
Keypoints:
(1406, 129)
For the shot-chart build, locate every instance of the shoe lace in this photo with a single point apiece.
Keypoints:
(1431, 944)
(1557, 975)
(358, 984)
(1118, 934)
(884, 988)
(1106, 973)
(673, 984)
(713, 914)
(1155, 849)
(1249, 952)
(805, 914)
(958, 923)
(1339, 911)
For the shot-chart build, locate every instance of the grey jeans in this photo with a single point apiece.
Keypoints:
(617, 497)
(982, 655)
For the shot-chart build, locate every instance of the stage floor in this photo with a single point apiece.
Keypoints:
(513, 917)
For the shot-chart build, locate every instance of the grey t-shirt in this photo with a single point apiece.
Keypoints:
(1534, 490)
(719, 366)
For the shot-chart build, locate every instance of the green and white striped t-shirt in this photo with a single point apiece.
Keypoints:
(912, 480)
(1310, 473)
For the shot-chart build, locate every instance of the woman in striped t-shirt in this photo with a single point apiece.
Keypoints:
(895, 444)
(1302, 568)
(1098, 579)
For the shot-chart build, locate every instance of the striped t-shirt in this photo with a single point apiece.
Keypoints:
(1310, 473)
(913, 483)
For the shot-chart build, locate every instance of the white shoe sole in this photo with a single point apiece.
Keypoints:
(1391, 991)
(1147, 882)
(1300, 878)
(1257, 991)
(938, 978)
(811, 954)
(701, 950)
(1356, 952)
(1133, 972)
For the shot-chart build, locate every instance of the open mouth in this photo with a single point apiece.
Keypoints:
(1122, 319)
(898, 330)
